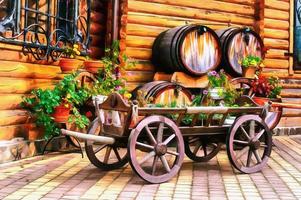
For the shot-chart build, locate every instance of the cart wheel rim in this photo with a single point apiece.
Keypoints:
(158, 149)
(249, 144)
(103, 156)
(199, 150)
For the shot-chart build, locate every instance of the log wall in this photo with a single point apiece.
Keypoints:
(19, 74)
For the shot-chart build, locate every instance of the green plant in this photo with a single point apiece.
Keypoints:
(108, 78)
(252, 61)
(266, 87)
(217, 79)
(73, 51)
(41, 104)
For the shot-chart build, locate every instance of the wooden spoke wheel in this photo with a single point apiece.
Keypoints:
(156, 149)
(104, 156)
(200, 149)
(249, 144)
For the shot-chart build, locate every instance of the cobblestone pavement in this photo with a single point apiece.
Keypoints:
(69, 176)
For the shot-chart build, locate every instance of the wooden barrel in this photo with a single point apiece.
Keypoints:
(193, 49)
(238, 43)
(165, 93)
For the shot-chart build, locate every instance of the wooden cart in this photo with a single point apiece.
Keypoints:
(154, 140)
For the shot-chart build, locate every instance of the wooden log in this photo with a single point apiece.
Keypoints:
(13, 117)
(259, 17)
(141, 66)
(138, 76)
(274, 71)
(278, 5)
(276, 34)
(10, 101)
(27, 131)
(276, 53)
(283, 75)
(168, 21)
(289, 121)
(276, 63)
(98, 40)
(28, 70)
(23, 85)
(276, 14)
(243, 2)
(140, 42)
(130, 86)
(96, 28)
(276, 24)
(209, 5)
(160, 9)
(276, 43)
(98, 17)
(291, 36)
(139, 53)
(291, 93)
(144, 30)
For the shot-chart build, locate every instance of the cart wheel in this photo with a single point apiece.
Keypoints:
(156, 149)
(249, 144)
(104, 156)
(199, 149)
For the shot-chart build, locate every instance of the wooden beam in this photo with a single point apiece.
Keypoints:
(259, 17)
(291, 38)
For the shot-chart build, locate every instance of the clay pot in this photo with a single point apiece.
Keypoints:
(93, 66)
(249, 72)
(69, 65)
(61, 113)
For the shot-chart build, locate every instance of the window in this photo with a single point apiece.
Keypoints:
(41, 26)
(297, 36)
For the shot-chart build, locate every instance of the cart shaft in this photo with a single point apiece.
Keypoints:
(95, 138)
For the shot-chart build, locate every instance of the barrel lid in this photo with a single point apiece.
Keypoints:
(199, 49)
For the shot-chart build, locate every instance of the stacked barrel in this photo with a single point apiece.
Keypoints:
(196, 50)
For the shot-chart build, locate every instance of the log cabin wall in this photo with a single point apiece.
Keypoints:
(145, 19)
(19, 74)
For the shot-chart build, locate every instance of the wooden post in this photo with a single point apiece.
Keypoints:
(259, 17)
(291, 37)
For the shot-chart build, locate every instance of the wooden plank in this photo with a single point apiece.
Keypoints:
(276, 53)
(278, 5)
(139, 53)
(27, 131)
(276, 34)
(276, 43)
(209, 5)
(28, 70)
(23, 85)
(276, 63)
(142, 65)
(276, 24)
(168, 10)
(139, 76)
(13, 117)
(144, 30)
(10, 101)
(276, 14)
(172, 21)
(140, 42)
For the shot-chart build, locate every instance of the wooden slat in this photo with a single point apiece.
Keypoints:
(28, 70)
(276, 24)
(140, 42)
(209, 5)
(278, 5)
(139, 53)
(10, 101)
(139, 76)
(144, 30)
(276, 14)
(13, 117)
(168, 10)
(142, 66)
(23, 85)
(276, 34)
(276, 43)
(276, 53)
(276, 63)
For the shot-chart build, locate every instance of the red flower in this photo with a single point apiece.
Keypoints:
(89, 114)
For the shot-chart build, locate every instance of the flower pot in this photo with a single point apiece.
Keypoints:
(249, 72)
(93, 66)
(216, 93)
(61, 113)
(69, 65)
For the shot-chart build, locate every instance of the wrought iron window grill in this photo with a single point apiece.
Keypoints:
(45, 28)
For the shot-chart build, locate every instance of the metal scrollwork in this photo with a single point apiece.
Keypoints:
(39, 40)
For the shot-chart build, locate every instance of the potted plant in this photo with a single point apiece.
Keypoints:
(92, 66)
(50, 107)
(217, 82)
(266, 89)
(70, 63)
(251, 65)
